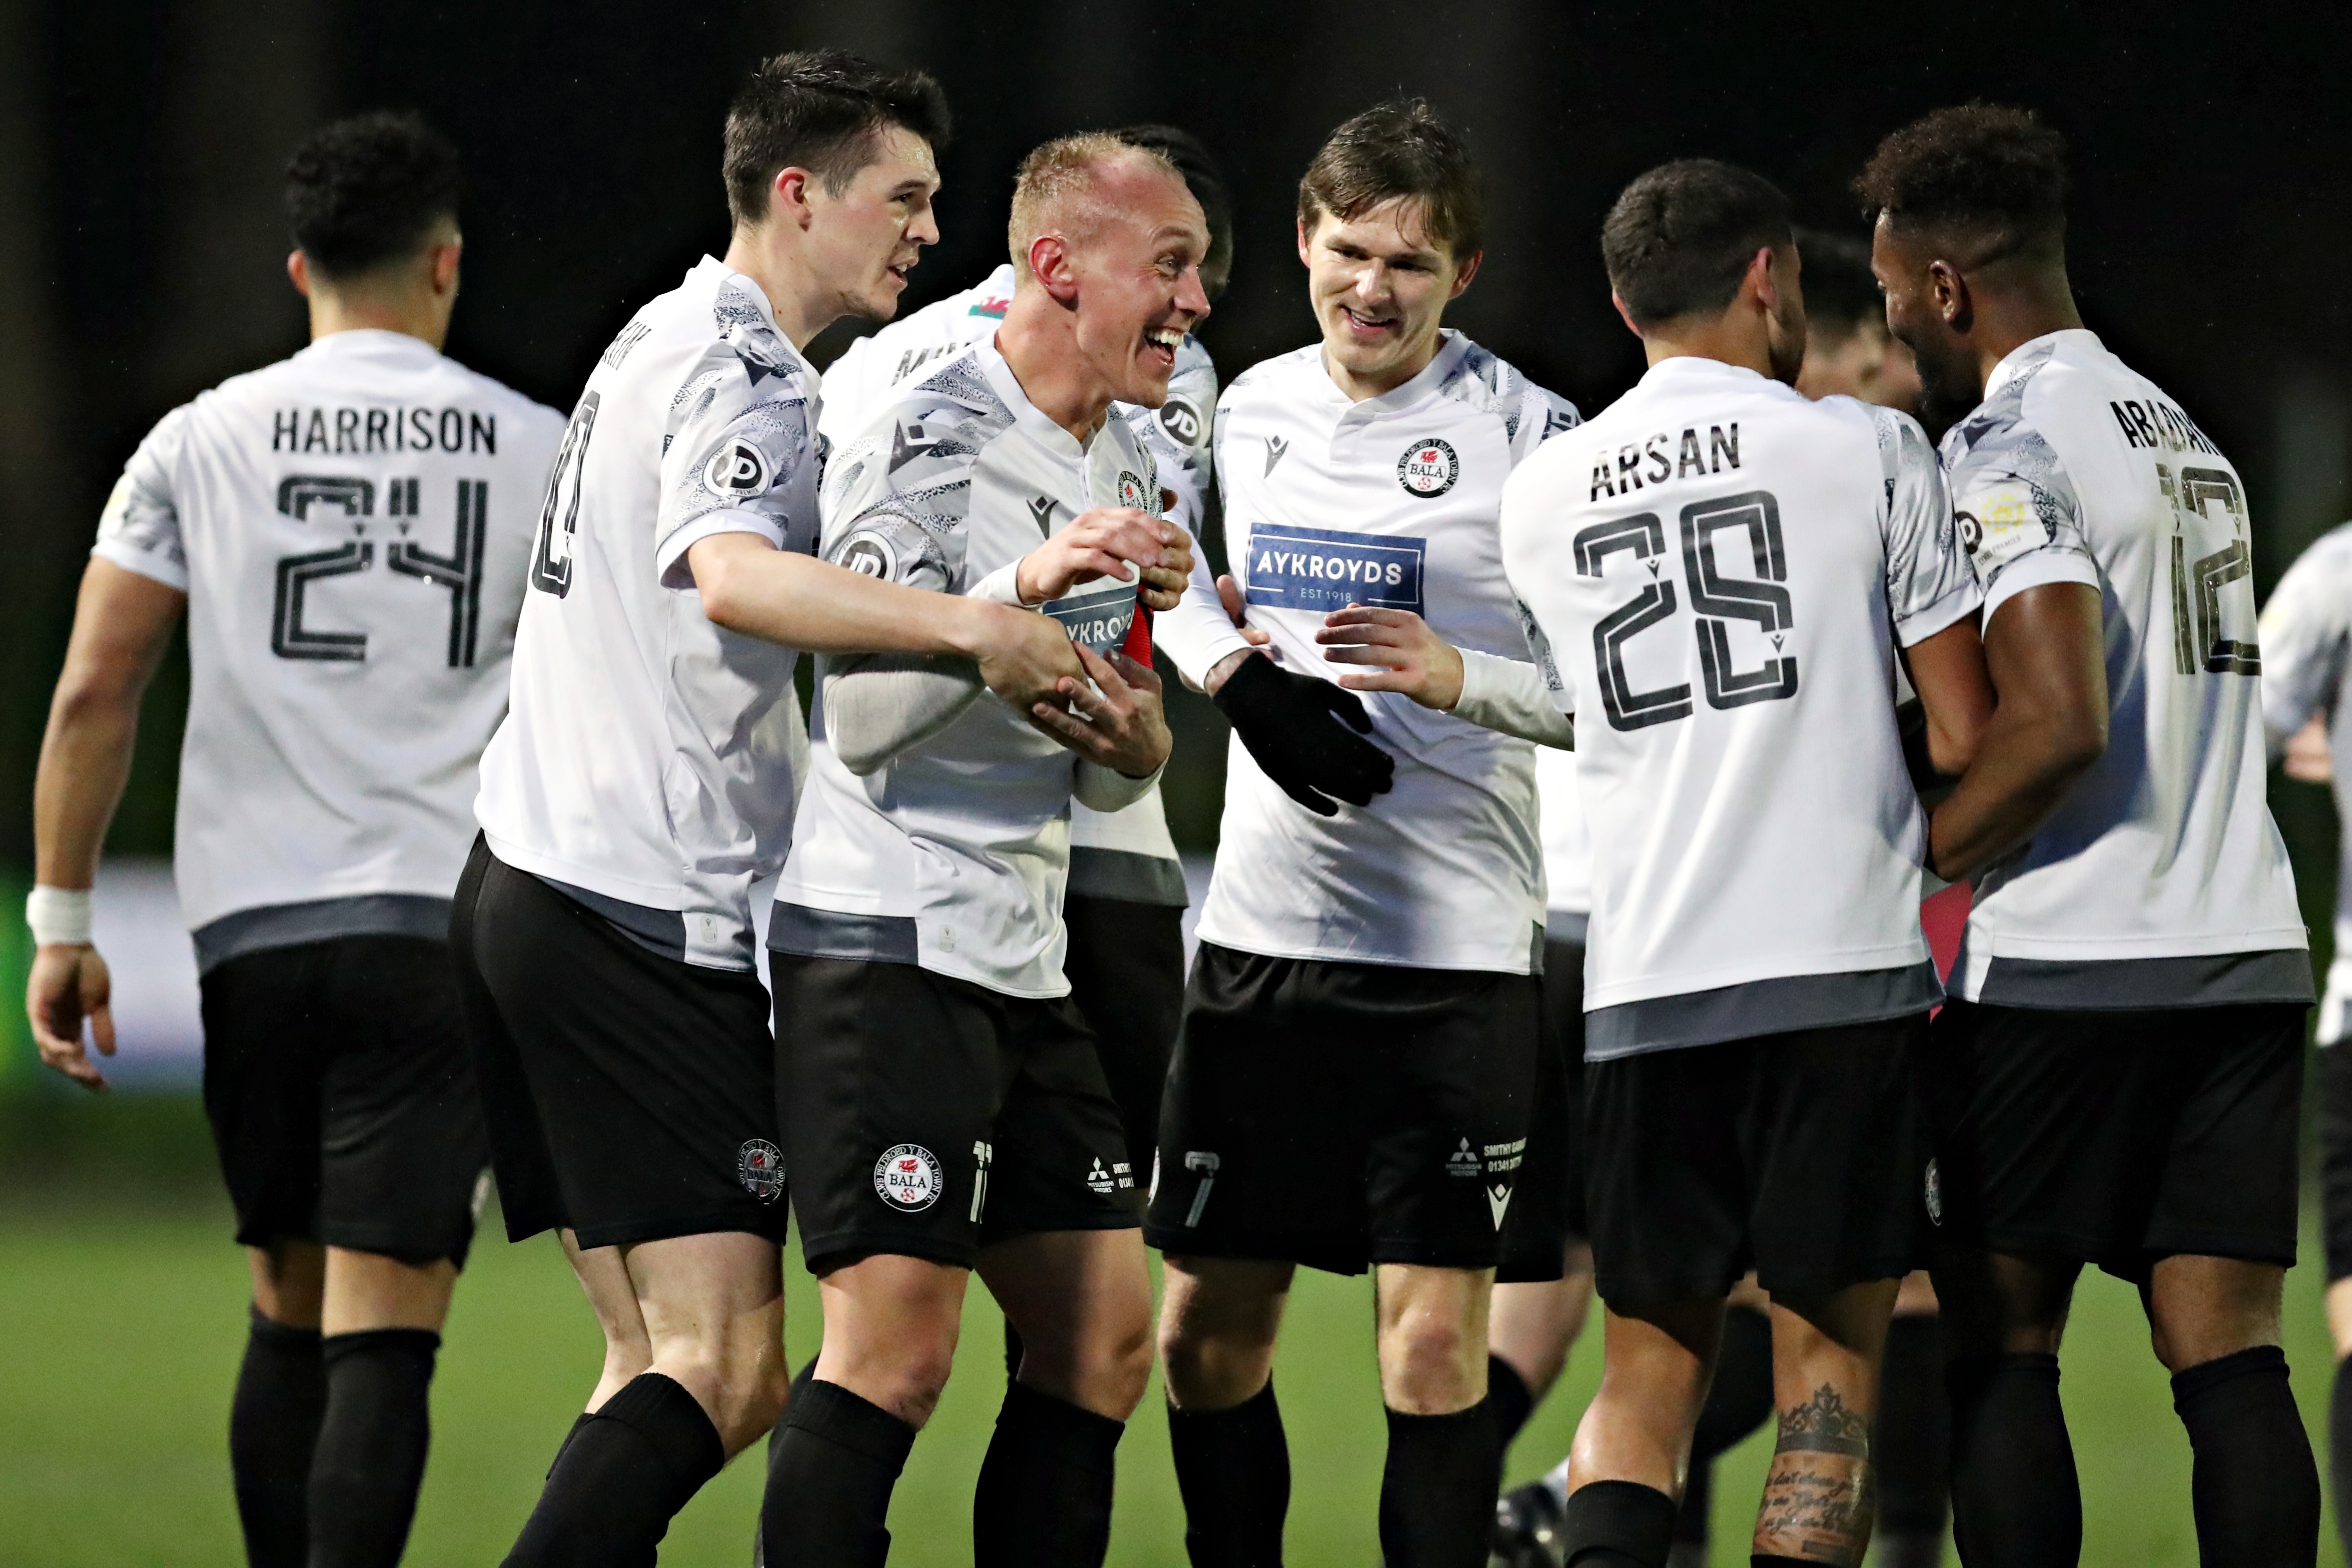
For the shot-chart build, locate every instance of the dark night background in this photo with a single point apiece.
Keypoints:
(140, 259)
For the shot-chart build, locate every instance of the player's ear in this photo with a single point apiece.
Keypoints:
(1302, 242)
(788, 196)
(1623, 314)
(297, 271)
(1947, 292)
(1761, 284)
(445, 257)
(1469, 270)
(1050, 264)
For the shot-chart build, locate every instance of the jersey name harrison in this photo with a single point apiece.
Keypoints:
(1631, 466)
(365, 430)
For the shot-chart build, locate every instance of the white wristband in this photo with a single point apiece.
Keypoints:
(58, 916)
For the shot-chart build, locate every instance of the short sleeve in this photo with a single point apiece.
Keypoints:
(1178, 432)
(1540, 650)
(2304, 634)
(1930, 584)
(1545, 415)
(741, 459)
(139, 530)
(2018, 514)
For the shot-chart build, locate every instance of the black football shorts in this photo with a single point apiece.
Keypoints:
(1126, 968)
(1547, 1211)
(1340, 1115)
(342, 1097)
(2332, 1077)
(928, 1117)
(2119, 1137)
(1799, 1156)
(629, 1097)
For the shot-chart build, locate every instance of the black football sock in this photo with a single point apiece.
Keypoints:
(2339, 1451)
(2015, 1497)
(1510, 1398)
(1911, 1443)
(578, 1422)
(835, 1461)
(1044, 1489)
(2252, 1484)
(1233, 1467)
(1437, 1489)
(273, 1428)
(369, 1457)
(1694, 1516)
(1616, 1524)
(623, 1475)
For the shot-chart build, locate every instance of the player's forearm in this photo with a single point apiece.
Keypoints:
(807, 603)
(2027, 762)
(1198, 636)
(85, 763)
(1508, 695)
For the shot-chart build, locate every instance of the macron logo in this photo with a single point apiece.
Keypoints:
(1275, 447)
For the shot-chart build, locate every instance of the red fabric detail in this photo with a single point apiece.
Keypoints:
(1137, 646)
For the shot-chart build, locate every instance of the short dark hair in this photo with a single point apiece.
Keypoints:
(1840, 290)
(1202, 177)
(1401, 148)
(365, 191)
(1986, 169)
(1679, 238)
(818, 109)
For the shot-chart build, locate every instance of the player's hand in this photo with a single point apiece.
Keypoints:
(2307, 756)
(68, 984)
(1229, 595)
(1306, 734)
(1023, 657)
(1117, 723)
(1411, 659)
(1119, 543)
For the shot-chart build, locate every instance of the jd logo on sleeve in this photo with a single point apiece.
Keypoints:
(1322, 569)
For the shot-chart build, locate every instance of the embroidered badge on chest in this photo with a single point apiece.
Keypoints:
(1428, 468)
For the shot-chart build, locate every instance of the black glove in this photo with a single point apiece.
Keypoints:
(1297, 728)
(1911, 725)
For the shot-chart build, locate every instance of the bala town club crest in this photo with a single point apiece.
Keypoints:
(1130, 491)
(760, 1167)
(908, 1177)
(1428, 468)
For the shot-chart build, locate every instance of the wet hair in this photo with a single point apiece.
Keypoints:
(1399, 149)
(368, 190)
(818, 110)
(1203, 177)
(1840, 290)
(1988, 171)
(1680, 237)
(1057, 184)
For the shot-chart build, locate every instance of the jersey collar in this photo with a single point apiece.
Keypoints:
(370, 342)
(721, 276)
(1451, 345)
(1025, 413)
(2038, 349)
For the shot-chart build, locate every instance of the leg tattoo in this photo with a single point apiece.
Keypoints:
(1817, 1502)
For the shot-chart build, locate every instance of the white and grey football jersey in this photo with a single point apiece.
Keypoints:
(1389, 502)
(1722, 571)
(2306, 632)
(954, 854)
(1113, 855)
(1567, 846)
(352, 527)
(2162, 881)
(646, 766)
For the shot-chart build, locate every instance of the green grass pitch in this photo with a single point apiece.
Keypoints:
(125, 1312)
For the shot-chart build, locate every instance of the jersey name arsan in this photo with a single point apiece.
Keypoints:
(1125, 855)
(1389, 502)
(1727, 625)
(359, 429)
(352, 606)
(2161, 880)
(649, 765)
(954, 854)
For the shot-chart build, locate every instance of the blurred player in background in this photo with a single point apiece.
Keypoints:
(2118, 1075)
(1849, 352)
(647, 775)
(1124, 907)
(943, 1105)
(1354, 1078)
(2306, 636)
(347, 530)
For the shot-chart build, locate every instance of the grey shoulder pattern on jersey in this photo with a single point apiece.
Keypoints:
(903, 487)
(1927, 563)
(141, 514)
(1492, 384)
(2005, 478)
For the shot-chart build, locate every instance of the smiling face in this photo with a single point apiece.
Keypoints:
(1380, 284)
(863, 242)
(1928, 311)
(1137, 271)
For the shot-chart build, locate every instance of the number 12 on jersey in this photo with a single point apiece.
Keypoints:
(1716, 598)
